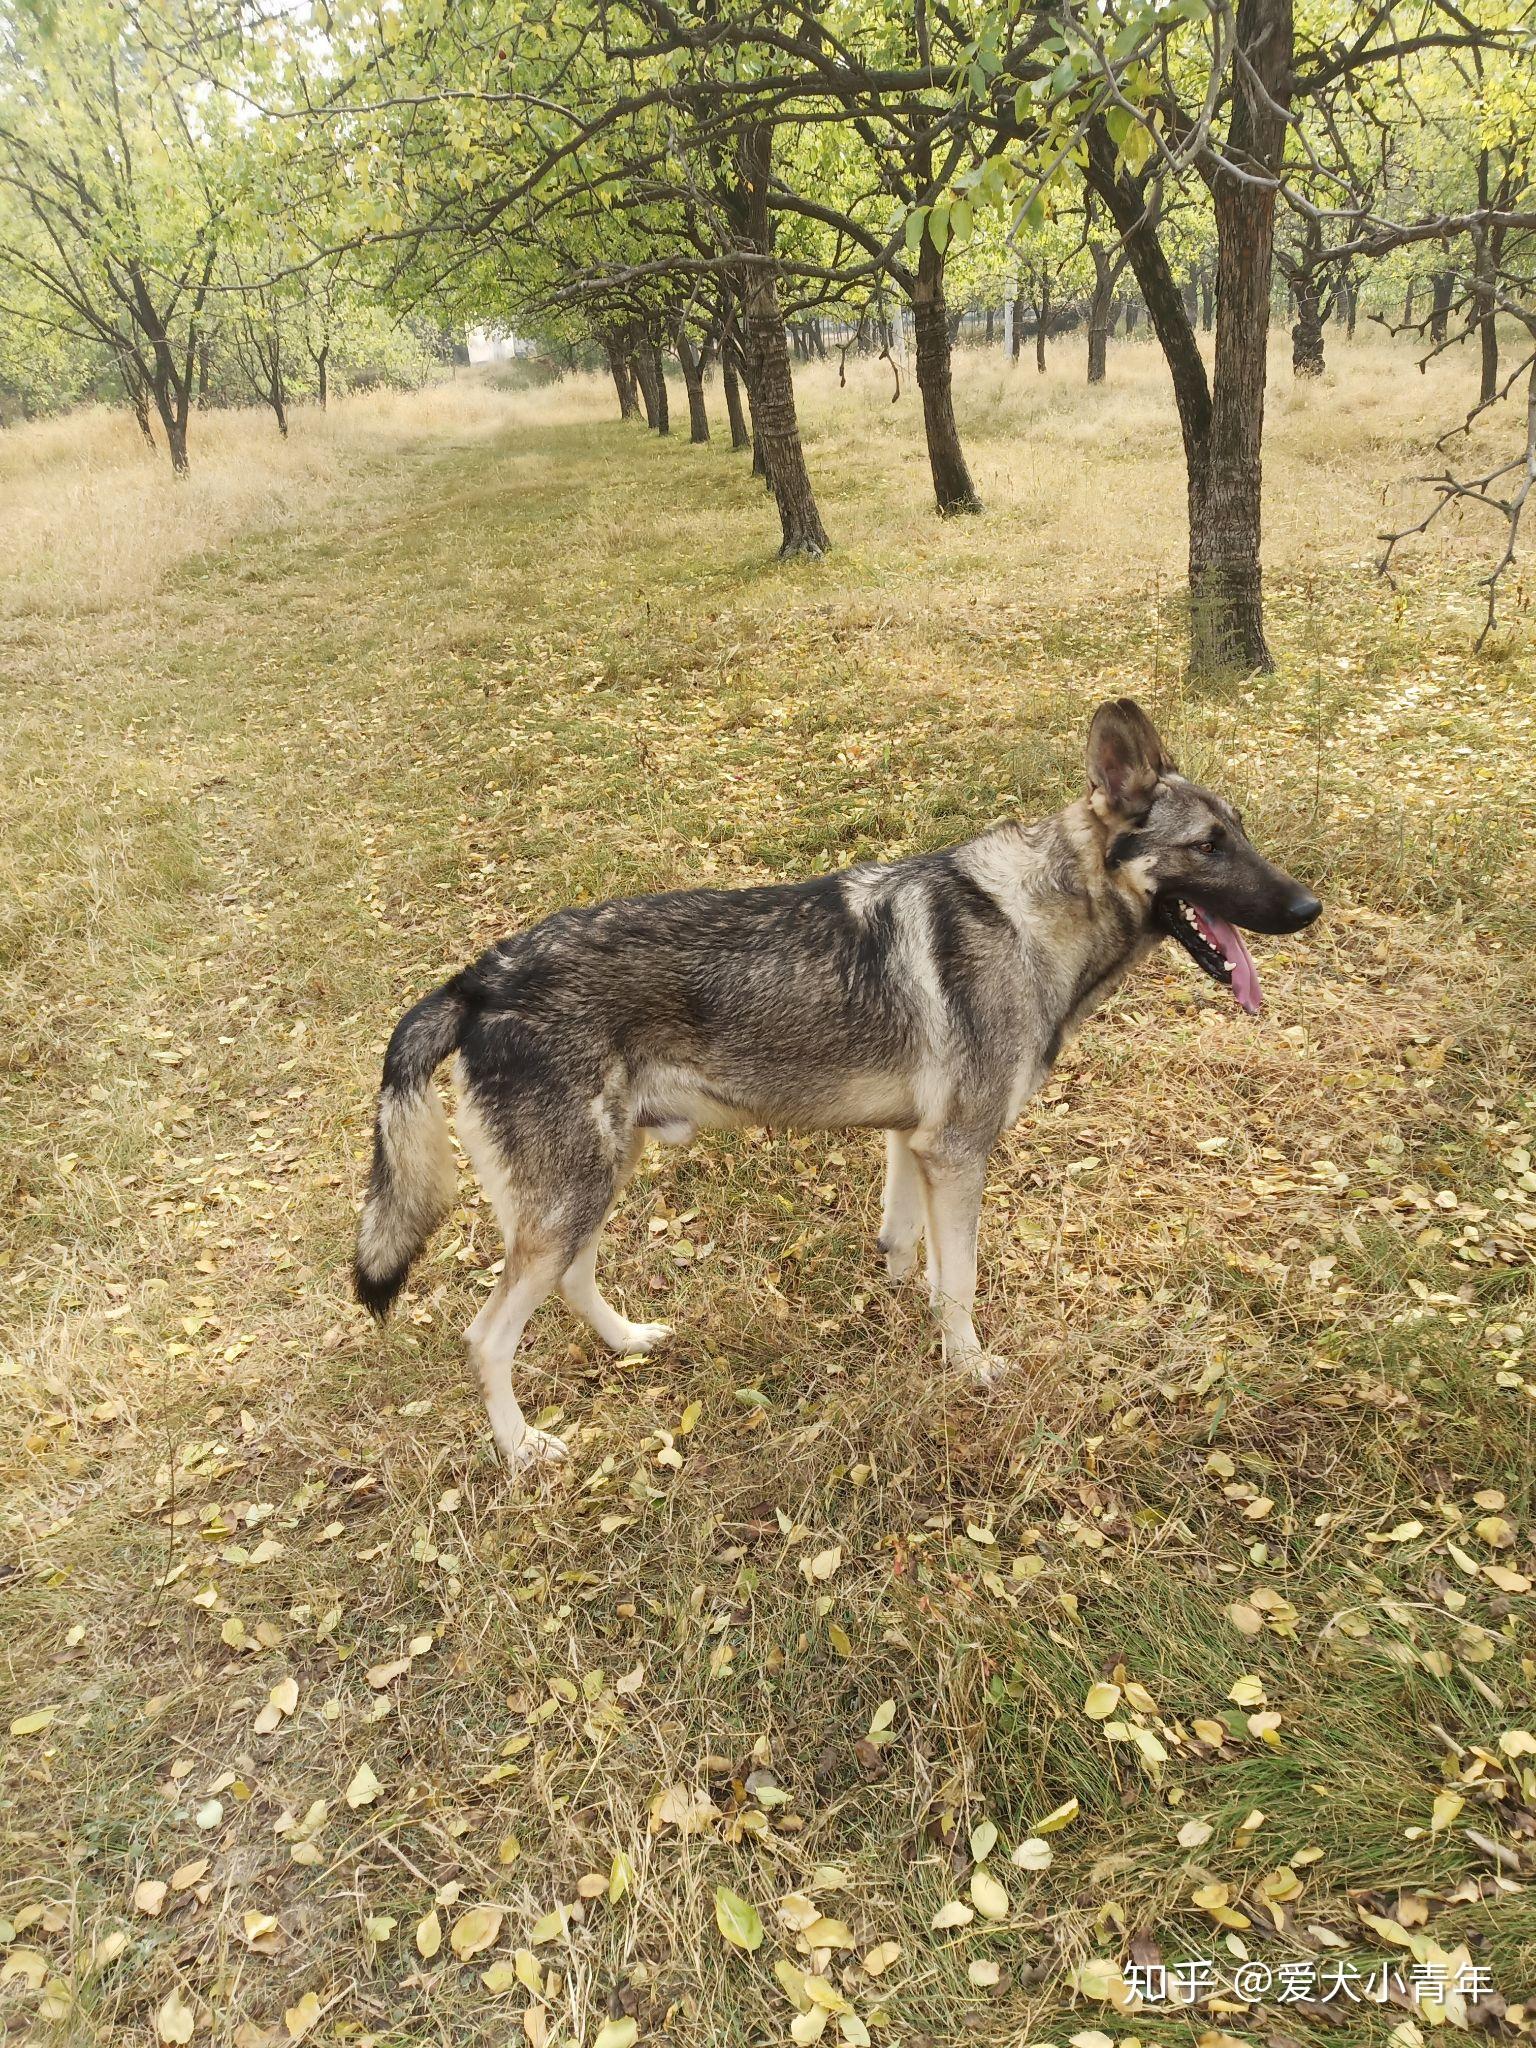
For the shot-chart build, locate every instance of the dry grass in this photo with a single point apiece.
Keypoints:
(445, 663)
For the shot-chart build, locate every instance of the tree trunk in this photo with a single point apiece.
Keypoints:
(138, 398)
(1018, 323)
(170, 397)
(280, 408)
(952, 486)
(322, 373)
(740, 436)
(1444, 286)
(1043, 306)
(987, 338)
(663, 420)
(1100, 312)
(693, 384)
(1485, 255)
(772, 385)
(202, 376)
(640, 369)
(1226, 527)
(1207, 301)
(1307, 334)
(619, 370)
(1488, 335)
(1220, 418)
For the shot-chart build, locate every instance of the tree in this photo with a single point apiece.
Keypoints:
(111, 165)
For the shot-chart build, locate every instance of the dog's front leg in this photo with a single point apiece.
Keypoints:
(954, 1170)
(904, 1212)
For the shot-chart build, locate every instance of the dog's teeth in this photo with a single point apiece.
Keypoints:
(1230, 965)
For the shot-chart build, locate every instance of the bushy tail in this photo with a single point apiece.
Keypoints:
(411, 1186)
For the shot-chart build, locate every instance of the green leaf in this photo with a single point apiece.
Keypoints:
(738, 1919)
(914, 235)
(938, 226)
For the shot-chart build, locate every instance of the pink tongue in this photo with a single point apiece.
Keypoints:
(1228, 942)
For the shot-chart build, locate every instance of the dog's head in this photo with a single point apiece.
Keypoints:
(1183, 851)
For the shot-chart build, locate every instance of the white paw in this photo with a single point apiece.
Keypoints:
(643, 1337)
(988, 1368)
(536, 1448)
(899, 1261)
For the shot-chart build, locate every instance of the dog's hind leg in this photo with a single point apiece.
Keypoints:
(903, 1215)
(531, 1277)
(582, 1295)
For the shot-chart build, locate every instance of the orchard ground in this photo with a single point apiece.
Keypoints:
(320, 1730)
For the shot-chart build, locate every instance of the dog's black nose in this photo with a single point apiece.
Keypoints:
(1303, 909)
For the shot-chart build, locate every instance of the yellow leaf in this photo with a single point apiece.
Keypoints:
(808, 2026)
(825, 1933)
(298, 2019)
(429, 1935)
(33, 1723)
(621, 2033)
(1445, 1809)
(987, 1895)
(364, 1788)
(149, 1896)
(474, 1931)
(1062, 1817)
(550, 1928)
(1102, 1701)
(174, 2021)
(881, 1957)
(825, 1562)
(738, 1919)
(955, 1914)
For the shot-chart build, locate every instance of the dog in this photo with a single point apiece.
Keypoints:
(926, 997)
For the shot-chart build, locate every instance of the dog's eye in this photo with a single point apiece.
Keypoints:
(1207, 846)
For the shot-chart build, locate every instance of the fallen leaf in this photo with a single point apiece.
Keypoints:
(738, 1919)
(175, 2020)
(298, 2019)
(474, 1931)
(364, 1788)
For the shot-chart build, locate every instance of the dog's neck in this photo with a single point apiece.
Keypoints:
(1083, 919)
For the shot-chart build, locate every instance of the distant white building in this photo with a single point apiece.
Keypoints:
(491, 345)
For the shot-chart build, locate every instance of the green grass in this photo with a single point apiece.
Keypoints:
(267, 794)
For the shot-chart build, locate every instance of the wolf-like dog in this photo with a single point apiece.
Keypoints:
(926, 997)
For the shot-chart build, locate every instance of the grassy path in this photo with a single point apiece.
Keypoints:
(1223, 1603)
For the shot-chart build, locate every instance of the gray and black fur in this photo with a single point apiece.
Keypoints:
(926, 997)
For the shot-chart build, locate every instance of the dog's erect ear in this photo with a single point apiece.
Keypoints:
(1126, 757)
